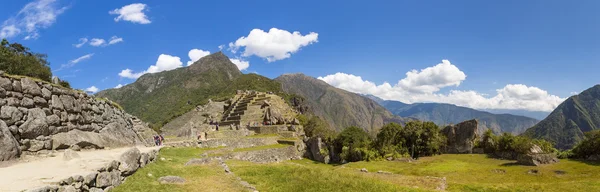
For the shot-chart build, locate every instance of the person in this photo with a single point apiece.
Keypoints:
(155, 140)
(161, 139)
(217, 124)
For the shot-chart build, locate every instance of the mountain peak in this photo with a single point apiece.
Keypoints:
(216, 61)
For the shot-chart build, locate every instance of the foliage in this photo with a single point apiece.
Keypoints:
(589, 146)
(17, 59)
(508, 142)
(353, 142)
(315, 126)
(389, 141)
(64, 83)
(422, 138)
(565, 154)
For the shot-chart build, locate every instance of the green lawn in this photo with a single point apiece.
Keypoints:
(463, 173)
(198, 178)
(479, 173)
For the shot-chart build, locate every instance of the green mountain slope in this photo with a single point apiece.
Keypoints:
(567, 123)
(444, 114)
(339, 108)
(159, 97)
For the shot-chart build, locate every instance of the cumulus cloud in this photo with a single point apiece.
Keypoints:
(195, 55)
(97, 42)
(163, 63)
(274, 45)
(31, 18)
(241, 64)
(133, 13)
(118, 86)
(82, 42)
(92, 89)
(114, 40)
(424, 86)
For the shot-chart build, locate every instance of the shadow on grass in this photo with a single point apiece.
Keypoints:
(511, 164)
(588, 162)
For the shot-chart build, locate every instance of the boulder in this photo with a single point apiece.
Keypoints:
(90, 179)
(68, 102)
(35, 145)
(9, 147)
(460, 137)
(70, 154)
(6, 84)
(35, 125)
(130, 161)
(27, 102)
(107, 179)
(77, 137)
(47, 94)
(537, 159)
(57, 103)
(143, 159)
(171, 180)
(29, 86)
(10, 114)
(317, 150)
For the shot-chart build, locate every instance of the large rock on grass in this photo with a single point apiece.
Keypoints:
(107, 179)
(461, 137)
(9, 147)
(130, 161)
(537, 159)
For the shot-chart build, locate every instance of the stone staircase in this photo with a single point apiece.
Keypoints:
(245, 108)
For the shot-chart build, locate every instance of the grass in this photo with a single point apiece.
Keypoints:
(306, 175)
(262, 147)
(262, 135)
(477, 173)
(198, 178)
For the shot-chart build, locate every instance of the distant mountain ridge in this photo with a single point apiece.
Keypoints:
(444, 114)
(566, 125)
(339, 108)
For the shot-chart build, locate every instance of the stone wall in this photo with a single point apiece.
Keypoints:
(38, 116)
(107, 177)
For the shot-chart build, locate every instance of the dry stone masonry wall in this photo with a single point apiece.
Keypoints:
(38, 116)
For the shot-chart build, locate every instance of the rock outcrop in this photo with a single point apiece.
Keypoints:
(536, 156)
(317, 150)
(38, 116)
(461, 137)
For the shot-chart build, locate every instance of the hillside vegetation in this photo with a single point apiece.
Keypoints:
(337, 107)
(159, 97)
(445, 114)
(566, 125)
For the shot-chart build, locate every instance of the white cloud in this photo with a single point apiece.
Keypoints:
(165, 62)
(92, 89)
(118, 86)
(79, 59)
(97, 42)
(75, 61)
(114, 40)
(423, 86)
(31, 18)
(274, 45)
(133, 12)
(195, 55)
(574, 93)
(221, 47)
(241, 64)
(82, 42)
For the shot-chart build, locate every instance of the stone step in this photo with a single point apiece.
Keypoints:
(242, 142)
(287, 134)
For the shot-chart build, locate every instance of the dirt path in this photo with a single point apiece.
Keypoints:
(40, 172)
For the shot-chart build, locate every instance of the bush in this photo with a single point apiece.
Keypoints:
(589, 146)
(422, 138)
(315, 126)
(17, 59)
(352, 142)
(565, 154)
(507, 142)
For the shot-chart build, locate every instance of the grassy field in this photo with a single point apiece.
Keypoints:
(198, 178)
(462, 173)
(479, 173)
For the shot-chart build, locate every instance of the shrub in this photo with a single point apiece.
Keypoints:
(352, 142)
(17, 59)
(589, 146)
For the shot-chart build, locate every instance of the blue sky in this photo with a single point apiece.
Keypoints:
(527, 55)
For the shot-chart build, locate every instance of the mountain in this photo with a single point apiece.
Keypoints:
(567, 123)
(157, 98)
(339, 108)
(539, 115)
(444, 114)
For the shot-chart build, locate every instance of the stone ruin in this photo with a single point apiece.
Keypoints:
(39, 116)
(460, 137)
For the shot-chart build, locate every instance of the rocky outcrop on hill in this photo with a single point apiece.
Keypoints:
(42, 116)
(461, 137)
(536, 156)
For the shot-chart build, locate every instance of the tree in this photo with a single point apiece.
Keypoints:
(422, 138)
(17, 59)
(389, 141)
(354, 143)
(589, 146)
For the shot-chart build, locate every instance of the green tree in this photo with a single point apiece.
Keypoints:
(422, 138)
(17, 59)
(389, 141)
(354, 143)
(589, 146)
